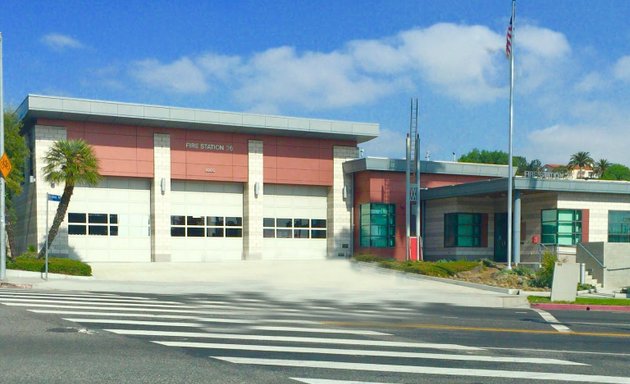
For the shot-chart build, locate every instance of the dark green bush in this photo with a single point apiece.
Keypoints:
(544, 275)
(27, 262)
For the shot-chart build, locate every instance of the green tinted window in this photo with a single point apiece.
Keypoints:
(377, 225)
(463, 229)
(619, 226)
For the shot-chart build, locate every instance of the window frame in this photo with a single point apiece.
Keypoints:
(464, 230)
(377, 225)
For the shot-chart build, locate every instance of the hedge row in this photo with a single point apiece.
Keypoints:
(55, 265)
(439, 269)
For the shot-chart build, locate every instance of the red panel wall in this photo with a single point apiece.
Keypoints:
(389, 187)
(294, 160)
(125, 150)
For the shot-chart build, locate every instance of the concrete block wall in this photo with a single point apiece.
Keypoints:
(253, 198)
(45, 137)
(598, 205)
(161, 198)
(339, 218)
(434, 240)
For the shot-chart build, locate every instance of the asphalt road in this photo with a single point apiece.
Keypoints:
(78, 337)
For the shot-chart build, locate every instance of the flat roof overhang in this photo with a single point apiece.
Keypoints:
(435, 167)
(495, 186)
(62, 108)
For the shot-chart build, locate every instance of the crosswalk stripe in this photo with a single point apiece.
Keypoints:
(74, 294)
(90, 299)
(363, 352)
(150, 315)
(319, 330)
(86, 306)
(549, 318)
(428, 370)
(133, 322)
(3, 300)
(402, 344)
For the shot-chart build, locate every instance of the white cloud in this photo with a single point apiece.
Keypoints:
(59, 42)
(219, 66)
(463, 62)
(556, 144)
(388, 144)
(591, 82)
(312, 80)
(181, 76)
(459, 60)
(622, 69)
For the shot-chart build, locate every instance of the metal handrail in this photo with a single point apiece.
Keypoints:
(591, 255)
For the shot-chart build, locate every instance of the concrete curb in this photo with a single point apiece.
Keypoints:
(372, 266)
(580, 307)
(19, 274)
(13, 285)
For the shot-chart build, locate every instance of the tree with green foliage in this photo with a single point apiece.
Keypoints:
(484, 157)
(17, 150)
(601, 166)
(70, 162)
(616, 172)
(580, 160)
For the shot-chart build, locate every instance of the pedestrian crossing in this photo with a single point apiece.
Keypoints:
(293, 337)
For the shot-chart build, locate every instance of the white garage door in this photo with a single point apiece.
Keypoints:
(294, 224)
(206, 221)
(110, 222)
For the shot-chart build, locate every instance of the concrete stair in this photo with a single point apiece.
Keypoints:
(588, 279)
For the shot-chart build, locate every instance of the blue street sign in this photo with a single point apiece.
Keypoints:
(54, 197)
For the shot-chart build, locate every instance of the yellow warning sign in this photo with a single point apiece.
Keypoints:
(5, 165)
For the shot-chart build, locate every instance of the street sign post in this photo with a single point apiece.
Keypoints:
(49, 197)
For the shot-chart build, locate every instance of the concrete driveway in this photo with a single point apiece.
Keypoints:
(340, 280)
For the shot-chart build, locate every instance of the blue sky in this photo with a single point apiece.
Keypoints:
(348, 60)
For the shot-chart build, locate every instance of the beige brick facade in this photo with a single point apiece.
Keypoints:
(160, 198)
(253, 203)
(340, 204)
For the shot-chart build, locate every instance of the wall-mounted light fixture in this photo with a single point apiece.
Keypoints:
(344, 192)
(163, 185)
(256, 189)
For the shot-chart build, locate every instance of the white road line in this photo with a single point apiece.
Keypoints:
(563, 351)
(80, 294)
(549, 318)
(85, 306)
(133, 322)
(91, 299)
(362, 352)
(450, 371)
(319, 330)
(292, 339)
(288, 321)
(327, 381)
(3, 300)
(149, 315)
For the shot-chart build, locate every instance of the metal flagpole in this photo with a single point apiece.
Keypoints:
(510, 165)
(3, 242)
(46, 234)
(418, 237)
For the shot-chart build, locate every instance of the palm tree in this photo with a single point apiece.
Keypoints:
(580, 160)
(601, 166)
(71, 162)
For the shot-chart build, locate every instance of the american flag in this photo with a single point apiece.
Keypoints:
(508, 43)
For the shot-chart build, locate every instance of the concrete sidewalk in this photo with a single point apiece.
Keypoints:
(340, 280)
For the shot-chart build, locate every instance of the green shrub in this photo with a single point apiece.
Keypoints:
(544, 275)
(369, 258)
(27, 262)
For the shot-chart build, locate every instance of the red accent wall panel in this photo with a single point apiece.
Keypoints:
(302, 161)
(585, 225)
(389, 187)
(125, 150)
